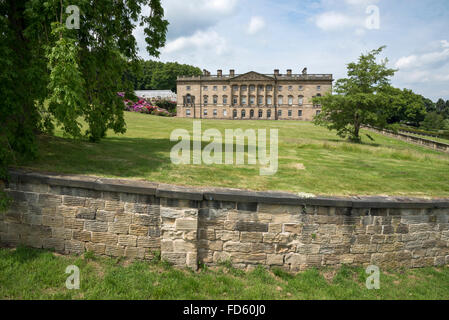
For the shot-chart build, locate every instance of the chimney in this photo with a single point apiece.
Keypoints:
(232, 73)
(219, 73)
(289, 72)
(304, 71)
(204, 72)
(276, 72)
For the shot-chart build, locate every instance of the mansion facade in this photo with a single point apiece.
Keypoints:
(251, 95)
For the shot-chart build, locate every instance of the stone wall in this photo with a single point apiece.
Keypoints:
(135, 219)
(440, 146)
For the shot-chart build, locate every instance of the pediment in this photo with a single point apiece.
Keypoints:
(252, 75)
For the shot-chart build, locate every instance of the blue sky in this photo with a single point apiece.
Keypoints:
(322, 35)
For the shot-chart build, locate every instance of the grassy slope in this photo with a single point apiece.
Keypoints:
(39, 274)
(332, 166)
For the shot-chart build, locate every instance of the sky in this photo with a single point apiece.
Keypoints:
(322, 35)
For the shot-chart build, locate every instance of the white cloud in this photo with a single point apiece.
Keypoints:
(329, 21)
(256, 24)
(188, 16)
(202, 40)
(428, 60)
(361, 2)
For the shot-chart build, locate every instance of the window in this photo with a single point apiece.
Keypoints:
(261, 88)
(234, 113)
(235, 100)
(300, 100)
(300, 88)
(235, 88)
(243, 113)
(251, 113)
(215, 99)
(215, 112)
(318, 94)
(290, 100)
(188, 99)
(188, 88)
(260, 113)
(243, 99)
(188, 112)
(205, 100)
(215, 88)
(299, 113)
(290, 88)
(280, 88)
(280, 100)
(205, 88)
(318, 88)
(225, 113)
(279, 113)
(269, 102)
(225, 100)
(205, 112)
(318, 112)
(289, 113)
(260, 100)
(252, 100)
(244, 88)
(268, 113)
(269, 88)
(225, 88)
(252, 88)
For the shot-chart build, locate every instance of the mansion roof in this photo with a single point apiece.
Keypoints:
(255, 76)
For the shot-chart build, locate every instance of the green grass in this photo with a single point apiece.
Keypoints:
(311, 160)
(39, 274)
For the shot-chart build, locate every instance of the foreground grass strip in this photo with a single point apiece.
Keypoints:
(40, 274)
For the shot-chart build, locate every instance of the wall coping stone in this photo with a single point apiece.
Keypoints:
(221, 194)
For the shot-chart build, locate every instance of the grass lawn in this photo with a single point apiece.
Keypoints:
(311, 160)
(39, 274)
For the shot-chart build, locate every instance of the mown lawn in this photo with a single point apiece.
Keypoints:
(39, 274)
(311, 160)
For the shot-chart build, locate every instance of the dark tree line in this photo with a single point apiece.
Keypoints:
(156, 75)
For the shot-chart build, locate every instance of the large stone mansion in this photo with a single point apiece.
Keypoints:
(251, 95)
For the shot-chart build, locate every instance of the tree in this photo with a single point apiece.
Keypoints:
(53, 75)
(361, 99)
(440, 106)
(433, 122)
(405, 106)
(155, 75)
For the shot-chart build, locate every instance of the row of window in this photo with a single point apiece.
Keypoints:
(252, 99)
(252, 88)
(251, 113)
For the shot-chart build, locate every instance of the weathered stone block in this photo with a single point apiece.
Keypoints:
(86, 213)
(239, 257)
(251, 236)
(74, 247)
(97, 248)
(96, 226)
(73, 201)
(186, 224)
(183, 246)
(176, 258)
(127, 240)
(82, 235)
(251, 226)
(148, 242)
(104, 237)
(237, 247)
(54, 243)
(226, 235)
(114, 251)
(53, 221)
(138, 230)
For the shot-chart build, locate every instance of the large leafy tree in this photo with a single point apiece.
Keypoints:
(406, 106)
(361, 99)
(53, 75)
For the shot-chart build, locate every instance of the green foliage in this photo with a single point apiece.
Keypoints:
(433, 122)
(155, 75)
(360, 99)
(53, 75)
(405, 106)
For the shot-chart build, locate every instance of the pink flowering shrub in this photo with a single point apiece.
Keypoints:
(144, 106)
